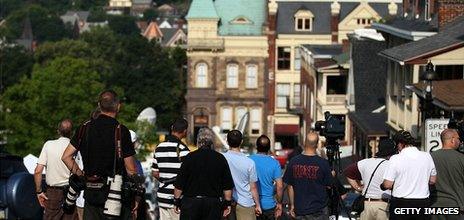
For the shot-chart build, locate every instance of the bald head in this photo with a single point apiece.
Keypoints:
(312, 139)
(450, 139)
(65, 128)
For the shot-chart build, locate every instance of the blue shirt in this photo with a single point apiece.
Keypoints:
(309, 176)
(243, 173)
(268, 170)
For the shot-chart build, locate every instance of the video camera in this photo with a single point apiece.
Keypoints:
(332, 128)
(459, 126)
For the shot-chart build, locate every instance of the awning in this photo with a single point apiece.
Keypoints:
(447, 94)
(286, 129)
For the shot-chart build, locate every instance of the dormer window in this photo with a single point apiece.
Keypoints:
(364, 21)
(241, 20)
(304, 20)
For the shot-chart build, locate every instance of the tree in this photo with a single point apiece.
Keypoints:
(65, 88)
(123, 25)
(150, 15)
(15, 63)
(46, 26)
(8, 6)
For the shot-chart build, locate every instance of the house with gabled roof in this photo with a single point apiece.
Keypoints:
(430, 32)
(227, 54)
(309, 22)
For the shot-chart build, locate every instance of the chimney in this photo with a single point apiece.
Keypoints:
(448, 11)
(334, 20)
(271, 37)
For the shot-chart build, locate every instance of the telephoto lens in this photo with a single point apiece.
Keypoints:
(113, 202)
(76, 185)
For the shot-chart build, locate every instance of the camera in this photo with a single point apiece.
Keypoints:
(133, 187)
(333, 128)
(76, 185)
(113, 202)
(459, 127)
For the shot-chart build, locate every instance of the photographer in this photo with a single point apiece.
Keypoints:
(107, 154)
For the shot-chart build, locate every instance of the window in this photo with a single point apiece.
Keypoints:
(283, 92)
(363, 21)
(283, 58)
(239, 113)
(202, 75)
(252, 76)
(297, 60)
(255, 121)
(296, 94)
(304, 20)
(232, 76)
(226, 119)
(336, 85)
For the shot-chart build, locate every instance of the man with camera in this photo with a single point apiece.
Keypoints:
(109, 165)
(57, 174)
(449, 189)
(371, 171)
(204, 181)
(409, 175)
(308, 176)
(166, 164)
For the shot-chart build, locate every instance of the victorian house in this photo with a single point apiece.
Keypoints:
(322, 26)
(227, 54)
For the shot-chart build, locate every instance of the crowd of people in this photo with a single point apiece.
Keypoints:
(204, 184)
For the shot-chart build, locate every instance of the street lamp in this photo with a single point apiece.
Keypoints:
(428, 76)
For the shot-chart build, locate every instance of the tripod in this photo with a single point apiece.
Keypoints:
(336, 201)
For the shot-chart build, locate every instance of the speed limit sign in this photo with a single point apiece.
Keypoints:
(433, 129)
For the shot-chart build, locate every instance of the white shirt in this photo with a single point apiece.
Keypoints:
(410, 170)
(57, 174)
(366, 167)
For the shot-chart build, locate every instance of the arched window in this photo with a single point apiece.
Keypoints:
(304, 20)
(255, 118)
(232, 76)
(252, 76)
(226, 119)
(201, 80)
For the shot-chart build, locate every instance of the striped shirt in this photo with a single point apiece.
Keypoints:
(167, 161)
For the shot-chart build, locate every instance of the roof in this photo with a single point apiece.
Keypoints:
(370, 123)
(447, 94)
(152, 31)
(168, 33)
(253, 12)
(367, 66)
(321, 12)
(331, 49)
(71, 16)
(141, 2)
(451, 37)
(202, 9)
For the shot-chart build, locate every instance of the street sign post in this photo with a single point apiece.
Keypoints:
(433, 129)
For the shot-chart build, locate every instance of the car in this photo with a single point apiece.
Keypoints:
(17, 192)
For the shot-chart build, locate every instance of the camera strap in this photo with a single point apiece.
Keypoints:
(367, 188)
(118, 153)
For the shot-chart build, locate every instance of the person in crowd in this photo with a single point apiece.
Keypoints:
(243, 171)
(98, 142)
(370, 171)
(167, 161)
(308, 177)
(269, 173)
(56, 175)
(449, 188)
(204, 182)
(409, 175)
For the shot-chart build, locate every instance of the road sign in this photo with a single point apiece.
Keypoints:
(433, 129)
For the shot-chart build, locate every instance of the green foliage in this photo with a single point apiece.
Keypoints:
(15, 63)
(123, 25)
(146, 138)
(150, 15)
(8, 6)
(97, 15)
(46, 26)
(65, 88)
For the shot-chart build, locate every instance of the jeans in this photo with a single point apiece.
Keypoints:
(268, 214)
(207, 208)
(320, 215)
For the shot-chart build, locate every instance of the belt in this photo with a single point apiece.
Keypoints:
(57, 187)
(377, 200)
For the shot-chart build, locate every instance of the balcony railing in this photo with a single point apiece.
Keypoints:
(335, 99)
(205, 44)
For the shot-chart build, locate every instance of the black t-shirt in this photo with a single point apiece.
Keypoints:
(204, 172)
(98, 148)
(310, 176)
